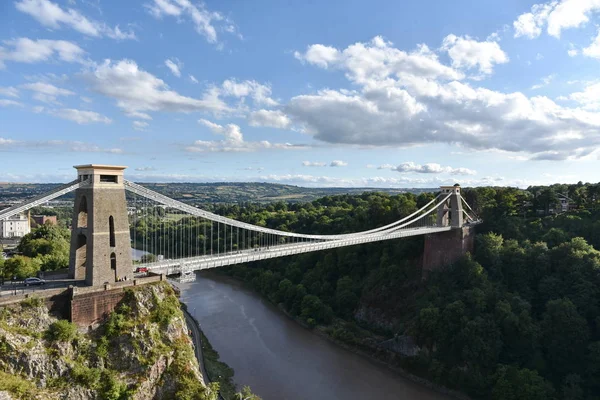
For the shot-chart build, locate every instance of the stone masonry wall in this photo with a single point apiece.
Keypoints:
(91, 308)
(447, 247)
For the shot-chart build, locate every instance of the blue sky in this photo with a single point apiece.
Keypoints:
(336, 93)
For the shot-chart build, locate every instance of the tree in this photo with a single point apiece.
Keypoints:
(513, 383)
(564, 337)
(246, 394)
(22, 267)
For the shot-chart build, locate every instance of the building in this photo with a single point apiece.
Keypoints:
(15, 226)
(42, 219)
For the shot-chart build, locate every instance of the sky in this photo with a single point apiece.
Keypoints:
(311, 93)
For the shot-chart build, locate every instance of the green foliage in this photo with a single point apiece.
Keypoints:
(246, 394)
(520, 384)
(18, 386)
(49, 245)
(32, 301)
(62, 331)
(22, 267)
(165, 310)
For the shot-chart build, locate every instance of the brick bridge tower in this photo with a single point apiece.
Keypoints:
(100, 241)
(444, 248)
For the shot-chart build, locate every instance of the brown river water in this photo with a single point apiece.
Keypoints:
(278, 358)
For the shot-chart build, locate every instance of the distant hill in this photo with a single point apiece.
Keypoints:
(221, 192)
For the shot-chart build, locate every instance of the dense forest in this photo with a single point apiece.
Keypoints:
(519, 319)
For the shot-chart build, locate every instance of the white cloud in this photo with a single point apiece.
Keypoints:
(175, 66)
(572, 52)
(25, 50)
(137, 92)
(469, 54)
(338, 163)
(270, 118)
(589, 98)
(378, 60)
(233, 141)
(530, 24)
(204, 20)
(593, 50)
(79, 116)
(145, 169)
(6, 103)
(46, 92)
(556, 16)
(261, 94)
(545, 81)
(429, 168)
(51, 15)
(63, 145)
(313, 164)
(396, 106)
(193, 79)
(140, 125)
(9, 91)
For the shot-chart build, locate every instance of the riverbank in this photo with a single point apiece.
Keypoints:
(208, 359)
(375, 354)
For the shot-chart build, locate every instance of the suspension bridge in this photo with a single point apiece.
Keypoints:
(112, 215)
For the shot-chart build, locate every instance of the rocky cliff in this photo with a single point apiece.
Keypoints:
(141, 351)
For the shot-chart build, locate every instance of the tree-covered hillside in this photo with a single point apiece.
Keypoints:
(519, 319)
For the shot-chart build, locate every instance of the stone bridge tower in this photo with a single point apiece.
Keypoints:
(445, 248)
(100, 241)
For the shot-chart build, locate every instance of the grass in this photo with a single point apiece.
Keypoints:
(18, 386)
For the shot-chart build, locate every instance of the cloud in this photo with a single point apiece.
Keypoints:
(137, 92)
(140, 125)
(393, 105)
(429, 168)
(589, 98)
(261, 94)
(468, 53)
(378, 60)
(79, 116)
(145, 169)
(338, 163)
(313, 164)
(175, 66)
(545, 82)
(193, 79)
(29, 51)
(593, 50)
(204, 21)
(270, 118)
(51, 15)
(46, 92)
(6, 103)
(9, 91)
(530, 24)
(233, 141)
(63, 145)
(556, 16)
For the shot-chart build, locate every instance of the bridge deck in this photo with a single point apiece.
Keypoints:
(171, 267)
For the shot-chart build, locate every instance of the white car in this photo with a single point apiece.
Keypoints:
(34, 281)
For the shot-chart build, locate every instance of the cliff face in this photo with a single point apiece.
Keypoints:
(142, 351)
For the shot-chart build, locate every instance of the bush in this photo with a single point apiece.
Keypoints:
(32, 302)
(165, 310)
(62, 331)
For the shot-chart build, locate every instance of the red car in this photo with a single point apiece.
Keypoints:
(141, 269)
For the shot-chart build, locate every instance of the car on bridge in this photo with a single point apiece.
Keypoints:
(34, 281)
(141, 269)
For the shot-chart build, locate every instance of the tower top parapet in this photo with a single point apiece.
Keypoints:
(450, 189)
(100, 174)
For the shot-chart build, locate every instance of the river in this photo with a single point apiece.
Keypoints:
(278, 358)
